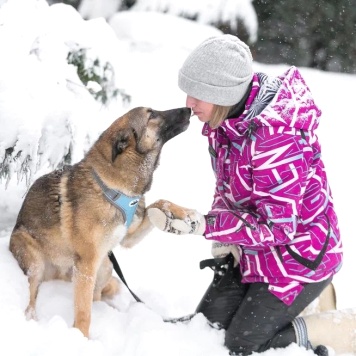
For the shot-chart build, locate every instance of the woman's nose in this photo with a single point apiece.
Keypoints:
(190, 102)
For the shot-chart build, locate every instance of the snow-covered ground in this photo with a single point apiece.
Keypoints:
(45, 109)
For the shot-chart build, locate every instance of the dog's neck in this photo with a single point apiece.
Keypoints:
(127, 205)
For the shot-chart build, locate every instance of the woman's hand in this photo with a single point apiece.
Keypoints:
(175, 219)
(222, 249)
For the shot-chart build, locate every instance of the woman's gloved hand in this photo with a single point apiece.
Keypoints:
(222, 249)
(175, 219)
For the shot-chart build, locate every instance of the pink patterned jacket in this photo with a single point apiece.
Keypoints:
(272, 196)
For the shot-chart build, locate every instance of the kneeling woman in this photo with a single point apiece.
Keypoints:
(275, 231)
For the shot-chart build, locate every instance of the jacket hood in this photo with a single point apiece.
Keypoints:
(282, 101)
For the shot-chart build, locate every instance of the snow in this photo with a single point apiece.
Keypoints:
(232, 12)
(208, 11)
(45, 109)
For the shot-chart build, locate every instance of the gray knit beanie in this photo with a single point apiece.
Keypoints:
(218, 71)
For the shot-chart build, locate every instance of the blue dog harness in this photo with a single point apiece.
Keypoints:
(127, 205)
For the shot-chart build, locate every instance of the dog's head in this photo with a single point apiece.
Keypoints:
(144, 130)
(134, 141)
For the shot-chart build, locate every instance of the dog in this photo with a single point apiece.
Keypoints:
(72, 218)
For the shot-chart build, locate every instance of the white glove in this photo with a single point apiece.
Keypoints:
(221, 249)
(193, 223)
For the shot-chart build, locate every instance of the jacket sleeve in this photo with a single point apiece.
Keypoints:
(281, 165)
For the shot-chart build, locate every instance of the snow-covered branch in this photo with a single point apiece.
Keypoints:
(43, 102)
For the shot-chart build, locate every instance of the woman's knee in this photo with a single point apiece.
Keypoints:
(247, 342)
(241, 343)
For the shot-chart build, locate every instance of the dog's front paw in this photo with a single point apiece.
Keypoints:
(161, 219)
(30, 313)
(175, 219)
(170, 209)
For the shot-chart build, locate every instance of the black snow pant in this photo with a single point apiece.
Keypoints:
(254, 319)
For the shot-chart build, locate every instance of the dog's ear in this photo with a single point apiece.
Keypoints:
(121, 142)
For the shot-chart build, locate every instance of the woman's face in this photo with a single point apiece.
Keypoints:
(200, 108)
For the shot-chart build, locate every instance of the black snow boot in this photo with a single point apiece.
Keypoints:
(320, 350)
(224, 294)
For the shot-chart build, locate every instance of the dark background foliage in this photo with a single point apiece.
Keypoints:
(318, 34)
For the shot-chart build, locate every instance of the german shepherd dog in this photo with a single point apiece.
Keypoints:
(72, 218)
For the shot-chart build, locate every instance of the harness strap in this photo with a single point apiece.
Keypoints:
(127, 205)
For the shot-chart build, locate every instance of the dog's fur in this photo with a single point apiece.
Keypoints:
(66, 227)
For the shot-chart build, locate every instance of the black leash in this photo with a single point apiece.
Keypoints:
(120, 274)
(117, 269)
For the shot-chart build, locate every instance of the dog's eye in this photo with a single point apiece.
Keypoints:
(152, 115)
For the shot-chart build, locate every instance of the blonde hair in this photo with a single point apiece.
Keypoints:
(219, 114)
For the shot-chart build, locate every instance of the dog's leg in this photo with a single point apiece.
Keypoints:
(137, 232)
(84, 278)
(24, 248)
(111, 288)
(134, 236)
(139, 228)
(106, 284)
(169, 208)
(35, 280)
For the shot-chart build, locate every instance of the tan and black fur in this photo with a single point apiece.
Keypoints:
(66, 226)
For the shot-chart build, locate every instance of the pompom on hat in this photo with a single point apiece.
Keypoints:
(218, 71)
